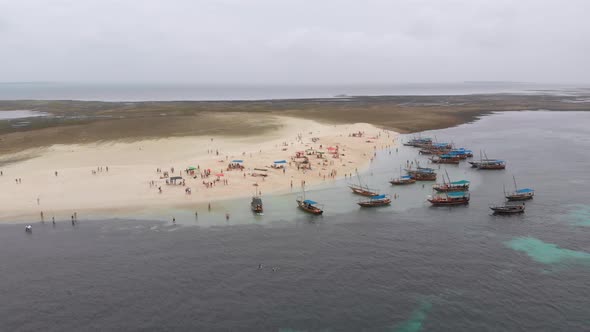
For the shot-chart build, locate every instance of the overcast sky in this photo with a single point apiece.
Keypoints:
(300, 42)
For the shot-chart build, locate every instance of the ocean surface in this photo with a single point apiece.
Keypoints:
(162, 92)
(408, 267)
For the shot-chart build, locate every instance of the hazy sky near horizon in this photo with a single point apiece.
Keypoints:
(298, 42)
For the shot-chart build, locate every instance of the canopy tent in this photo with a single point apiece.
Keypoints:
(460, 182)
(237, 161)
(525, 190)
(424, 170)
(310, 202)
(174, 178)
(378, 197)
(457, 194)
(280, 161)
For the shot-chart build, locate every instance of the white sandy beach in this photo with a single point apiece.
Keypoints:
(132, 167)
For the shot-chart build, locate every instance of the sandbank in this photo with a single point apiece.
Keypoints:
(84, 185)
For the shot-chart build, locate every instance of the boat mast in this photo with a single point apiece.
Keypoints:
(359, 178)
(515, 186)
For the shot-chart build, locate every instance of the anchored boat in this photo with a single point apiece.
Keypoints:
(361, 189)
(375, 201)
(522, 194)
(462, 185)
(402, 180)
(507, 209)
(308, 205)
(256, 205)
(448, 199)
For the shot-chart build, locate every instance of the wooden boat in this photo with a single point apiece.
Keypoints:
(418, 142)
(475, 164)
(424, 176)
(495, 164)
(522, 194)
(445, 159)
(462, 185)
(256, 205)
(507, 209)
(309, 206)
(422, 173)
(375, 201)
(403, 180)
(361, 189)
(449, 199)
(425, 151)
(488, 163)
(441, 146)
(461, 153)
(419, 170)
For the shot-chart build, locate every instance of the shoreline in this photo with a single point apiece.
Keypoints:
(82, 188)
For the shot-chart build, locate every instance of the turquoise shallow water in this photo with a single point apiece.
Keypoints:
(547, 253)
(409, 267)
(580, 215)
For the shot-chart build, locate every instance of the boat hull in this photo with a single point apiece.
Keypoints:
(446, 161)
(402, 182)
(259, 210)
(379, 203)
(424, 177)
(435, 202)
(363, 192)
(491, 167)
(309, 209)
(446, 189)
(514, 198)
(508, 210)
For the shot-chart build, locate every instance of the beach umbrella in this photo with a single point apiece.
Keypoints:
(192, 168)
(219, 174)
(237, 161)
(331, 148)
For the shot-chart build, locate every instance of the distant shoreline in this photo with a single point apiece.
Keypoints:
(73, 122)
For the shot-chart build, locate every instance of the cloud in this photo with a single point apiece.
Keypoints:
(264, 41)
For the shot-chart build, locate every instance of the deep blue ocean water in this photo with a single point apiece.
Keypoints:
(409, 267)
